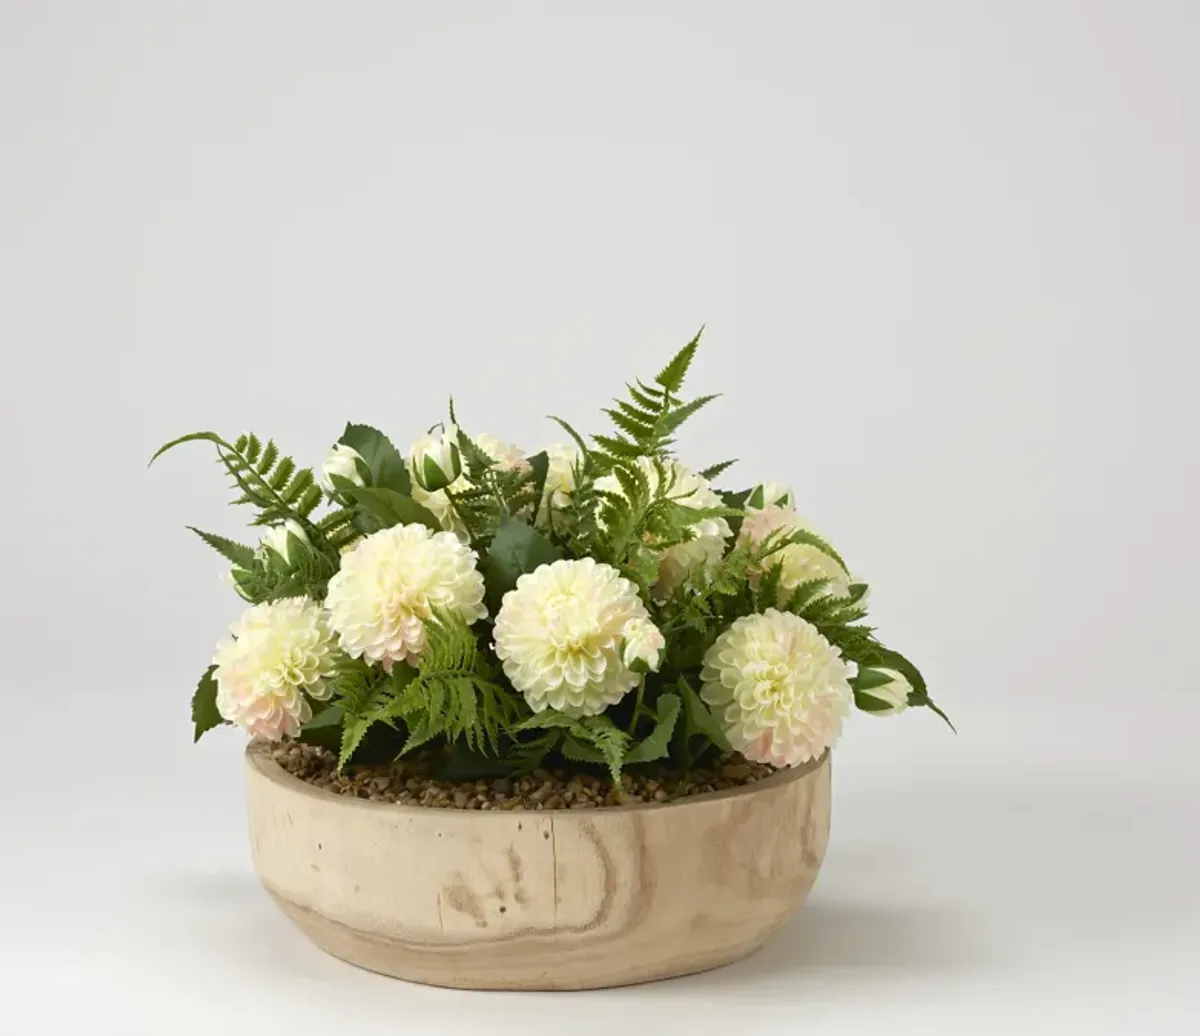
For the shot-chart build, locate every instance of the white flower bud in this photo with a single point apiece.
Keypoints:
(771, 494)
(883, 699)
(276, 539)
(436, 460)
(342, 461)
(642, 645)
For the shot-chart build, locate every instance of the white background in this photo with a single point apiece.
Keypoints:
(947, 256)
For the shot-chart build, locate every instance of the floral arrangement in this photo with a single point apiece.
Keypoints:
(597, 602)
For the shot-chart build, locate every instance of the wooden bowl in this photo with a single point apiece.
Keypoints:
(561, 899)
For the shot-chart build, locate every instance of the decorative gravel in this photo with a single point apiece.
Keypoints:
(408, 783)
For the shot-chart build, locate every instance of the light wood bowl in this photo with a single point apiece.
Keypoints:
(561, 899)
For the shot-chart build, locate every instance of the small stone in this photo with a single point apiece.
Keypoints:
(736, 771)
(503, 786)
(660, 796)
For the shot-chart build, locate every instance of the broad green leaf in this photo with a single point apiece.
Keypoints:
(325, 728)
(388, 507)
(657, 744)
(699, 720)
(539, 463)
(386, 465)
(516, 548)
(204, 705)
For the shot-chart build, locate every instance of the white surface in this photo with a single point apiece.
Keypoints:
(947, 256)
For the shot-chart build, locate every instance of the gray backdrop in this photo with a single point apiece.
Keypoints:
(946, 254)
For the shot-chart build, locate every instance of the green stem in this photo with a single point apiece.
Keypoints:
(637, 708)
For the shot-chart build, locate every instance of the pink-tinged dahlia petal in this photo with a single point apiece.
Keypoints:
(779, 687)
(800, 561)
(276, 654)
(394, 580)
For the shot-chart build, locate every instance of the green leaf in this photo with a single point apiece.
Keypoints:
(699, 720)
(539, 464)
(657, 744)
(869, 703)
(204, 705)
(813, 540)
(583, 447)
(708, 474)
(238, 553)
(870, 679)
(387, 467)
(388, 507)
(672, 375)
(212, 437)
(325, 728)
(671, 421)
(516, 548)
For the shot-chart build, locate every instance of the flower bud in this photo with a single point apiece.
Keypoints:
(881, 692)
(771, 494)
(341, 462)
(642, 645)
(436, 460)
(278, 539)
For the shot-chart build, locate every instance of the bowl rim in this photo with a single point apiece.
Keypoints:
(259, 761)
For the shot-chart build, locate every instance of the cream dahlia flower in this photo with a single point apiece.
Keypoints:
(506, 456)
(889, 698)
(560, 480)
(800, 561)
(559, 636)
(391, 582)
(779, 688)
(707, 546)
(277, 653)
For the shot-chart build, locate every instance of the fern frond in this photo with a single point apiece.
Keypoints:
(238, 553)
(672, 375)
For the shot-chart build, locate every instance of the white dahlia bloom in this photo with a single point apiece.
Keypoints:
(559, 636)
(800, 561)
(560, 480)
(707, 546)
(342, 461)
(277, 652)
(391, 582)
(506, 456)
(889, 698)
(642, 646)
(779, 688)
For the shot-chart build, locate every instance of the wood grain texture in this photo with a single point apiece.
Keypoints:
(563, 899)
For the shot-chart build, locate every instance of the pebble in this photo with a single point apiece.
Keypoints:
(408, 782)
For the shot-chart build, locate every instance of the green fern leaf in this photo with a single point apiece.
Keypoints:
(270, 454)
(708, 474)
(283, 473)
(238, 553)
(671, 377)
